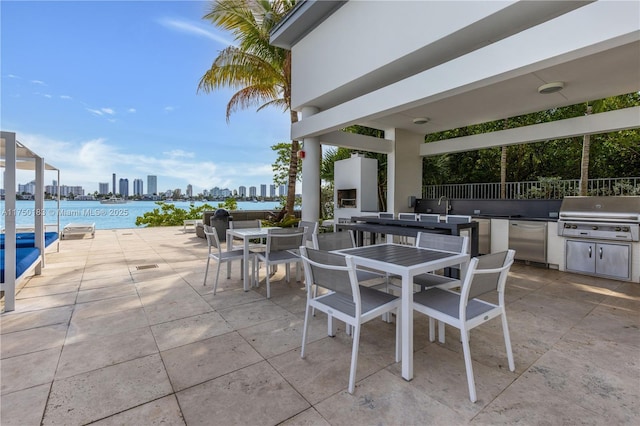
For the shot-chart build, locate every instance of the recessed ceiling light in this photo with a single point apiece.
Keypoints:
(420, 120)
(554, 87)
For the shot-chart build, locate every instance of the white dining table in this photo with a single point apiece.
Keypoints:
(246, 235)
(407, 262)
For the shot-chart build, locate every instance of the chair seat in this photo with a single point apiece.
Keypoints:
(233, 254)
(434, 280)
(280, 256)
(371, 299)
(364, 275)
(448, 303)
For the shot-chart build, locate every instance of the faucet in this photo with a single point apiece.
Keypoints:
(447, 207)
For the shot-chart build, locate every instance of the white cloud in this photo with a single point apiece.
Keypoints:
(131, 110)
(169, 108)
(46, 95)
(178, 153)
(39, 82)
(95, 111)
(88, 162)
(13, 76)
(109, 111)
(65, 97)
(191, 27)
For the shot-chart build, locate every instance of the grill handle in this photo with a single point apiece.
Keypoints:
(590, 251)
(609, 216)
(600, 253)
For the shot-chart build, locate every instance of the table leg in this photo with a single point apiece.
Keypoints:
(245, 265)
(229, 248)
(407, 326)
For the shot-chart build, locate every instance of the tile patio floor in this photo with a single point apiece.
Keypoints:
(95, 340)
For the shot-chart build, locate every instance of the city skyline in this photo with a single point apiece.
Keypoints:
(137, 189)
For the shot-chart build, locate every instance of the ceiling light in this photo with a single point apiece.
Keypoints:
(554, 87)
(420, 120)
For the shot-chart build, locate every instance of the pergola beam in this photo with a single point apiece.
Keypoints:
(605, 122)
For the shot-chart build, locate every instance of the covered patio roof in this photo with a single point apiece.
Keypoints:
(475, 72)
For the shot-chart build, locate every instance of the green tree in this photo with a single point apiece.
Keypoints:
(260, 71)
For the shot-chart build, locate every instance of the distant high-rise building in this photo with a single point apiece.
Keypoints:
(252, 191)
(114, 189)
(152, 184)
(283, 190)
(103, 188)
(124, 187)
(242, 191)
(27, 188)
(138, 187)
(263, 190)
(272, 190)
(189, 190)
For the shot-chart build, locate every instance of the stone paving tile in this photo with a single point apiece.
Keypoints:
(82, 328)
(183, 331)
(25, 407)
(33, 340)
(208, 359)
(269, 399)
(18, 321)
(45, 290)
(163, 411)
(249, 314)
(24, 371)
(94, 353)
(100, 393)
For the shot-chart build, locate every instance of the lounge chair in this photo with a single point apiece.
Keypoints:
(79, 229)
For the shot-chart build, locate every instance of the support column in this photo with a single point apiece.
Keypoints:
(311, 173)
(404, 169)
(39, 213)
(10, 159)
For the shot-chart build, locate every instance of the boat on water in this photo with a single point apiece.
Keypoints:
(113, 200)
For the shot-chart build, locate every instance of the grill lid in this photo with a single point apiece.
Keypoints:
(625, 209)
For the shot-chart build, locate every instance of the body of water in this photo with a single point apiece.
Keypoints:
(107, 216)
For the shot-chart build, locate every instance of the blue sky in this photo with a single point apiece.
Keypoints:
(102, 87)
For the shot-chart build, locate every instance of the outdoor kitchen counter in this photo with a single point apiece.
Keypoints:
(410, 228)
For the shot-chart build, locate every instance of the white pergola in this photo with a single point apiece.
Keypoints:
(15, 156)
(456, 63)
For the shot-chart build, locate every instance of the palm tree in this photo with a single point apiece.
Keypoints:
(260, 71)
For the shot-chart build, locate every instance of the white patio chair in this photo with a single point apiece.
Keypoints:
(457, 218)
(329, 241)
(451, 243)
(462, 310)
(219, 255)
(346, 300)
(310, 229)
(282, 247)
(407, 216)
(429, 217)
(384, 215)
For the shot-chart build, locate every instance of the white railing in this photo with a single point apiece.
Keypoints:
(545, 188)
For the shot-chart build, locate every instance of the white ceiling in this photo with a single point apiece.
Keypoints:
(611, 72)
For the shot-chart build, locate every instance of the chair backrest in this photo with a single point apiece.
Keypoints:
(452, 243)
(212, 238)
(457, 218)
(284, 239)
(487, 273)
(244, 224)
(407, 216)
(333, 240)
(310, 228)
(383, 215)
(332, 271)
(428, 217)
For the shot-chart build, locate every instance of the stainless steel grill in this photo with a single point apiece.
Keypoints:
(600, 235)
(601, 218)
